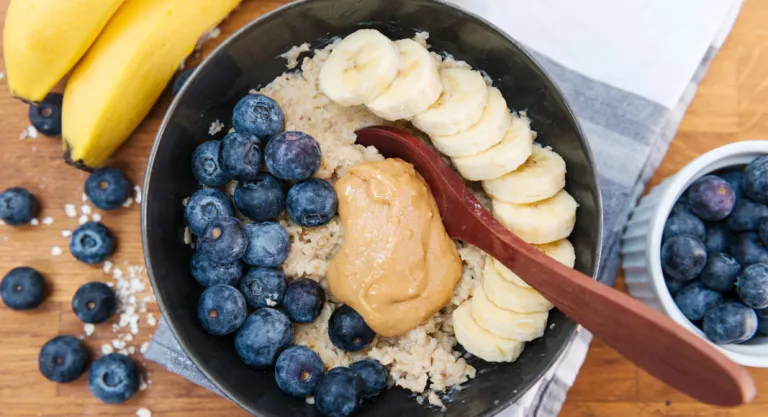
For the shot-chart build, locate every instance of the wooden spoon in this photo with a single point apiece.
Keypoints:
(643, 335)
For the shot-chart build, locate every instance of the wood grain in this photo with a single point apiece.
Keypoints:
(731, 105)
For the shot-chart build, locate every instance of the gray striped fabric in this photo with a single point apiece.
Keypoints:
(629, 136)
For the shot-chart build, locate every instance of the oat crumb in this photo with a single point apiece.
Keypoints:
(89, 329)
(128, 202)
(216, 127)
(34, 222)
(83, 219)
(86, 209)
(70, 210)
(96, 217)
(310, 400)
(144, 347)
(66, 233)
(84, 198)
(271, 302)
(143, 412)
(56, 251)
(2, 76)
(107, 349)
(48, 220)
(107, 266)
(291, 56)
(29, 133)
(137, 190)
(151, 320)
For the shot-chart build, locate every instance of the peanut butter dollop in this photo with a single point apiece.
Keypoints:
(397, 265)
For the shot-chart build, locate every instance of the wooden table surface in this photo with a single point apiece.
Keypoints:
(730, 106)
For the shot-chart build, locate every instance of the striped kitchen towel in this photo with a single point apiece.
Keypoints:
(629, 69)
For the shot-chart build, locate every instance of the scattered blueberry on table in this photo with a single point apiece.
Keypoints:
(263, 287)
(265, 334)
(46, 116)
(62, 359)
(293, 156)
(304, 300)
(258, 115)
(113, 378)
(312, 203)
(221, 310)
(23, 288)
(298, 370)
(348, 331)
(268, 244)
(18, 206)
(223, 241)
(205, 205)
(719, 278)
(339, 393)
(107, 188)
(92, 243)
(260, 199)
(209, 273)
(241, 156)
(94, 302)
(373, 375)
(205, 164)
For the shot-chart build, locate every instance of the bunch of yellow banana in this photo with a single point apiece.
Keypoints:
(121, 55)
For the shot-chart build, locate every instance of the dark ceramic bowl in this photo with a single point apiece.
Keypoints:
(250, 59)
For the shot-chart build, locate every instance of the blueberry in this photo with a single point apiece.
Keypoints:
(682, 204)
(674, 285)
(23, 288)
(720, 272)
(293, 156)
(241, 156)
(113, 378)
(205, 205)
(259, 115)
(684, 223)
(208, 273)
(312, 203)
(762, 231)
(348, 331)
(94, 302)
(261, 199)
(265, 334)
(754, 184)
(762, 321)
(46, 116)
(695, 300)
(181, 80)
(730, 323)
(719, 238)
(752, 286)
(268, 244)
(683, 257)
(221, 310)
(734, 179)
(746, 215)
(223, 241)
(62, 359)
(298, 370)
(17, 206)
(304, 300)
(263, 287)
(92, 243)
(373, 374)
(746, 249)
(107, 188)
(205, 164)
(338, 393)
(711, 198)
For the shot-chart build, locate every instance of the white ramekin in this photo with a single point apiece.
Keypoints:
(641, 243)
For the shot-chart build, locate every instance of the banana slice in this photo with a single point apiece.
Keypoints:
(359, 68)
(512, 152)
(541, 222)
(416, 87)
(480, 342)
(506, 323)
(509, 296)
(460, 106)
(539, 178)
(561, 251)
(487, 132)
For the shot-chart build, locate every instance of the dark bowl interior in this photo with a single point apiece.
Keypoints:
(251, 59)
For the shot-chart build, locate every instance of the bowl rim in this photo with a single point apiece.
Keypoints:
(558, 93)
(709, 162)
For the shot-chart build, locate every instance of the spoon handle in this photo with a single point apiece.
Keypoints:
(643, 335)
